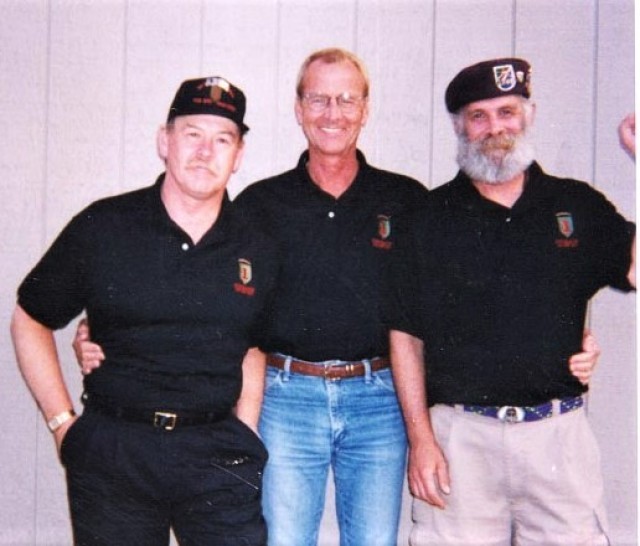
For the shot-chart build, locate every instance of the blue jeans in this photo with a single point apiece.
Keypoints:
(353, 425)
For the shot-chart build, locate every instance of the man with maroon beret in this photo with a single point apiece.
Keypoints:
(493, 278)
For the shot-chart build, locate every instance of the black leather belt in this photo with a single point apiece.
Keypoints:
(331, 369)
(161, 418)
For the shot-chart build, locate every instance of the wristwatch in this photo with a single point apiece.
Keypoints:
(58, 420)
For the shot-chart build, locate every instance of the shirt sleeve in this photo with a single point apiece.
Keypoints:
(54, 292)
(402, 293)
(614, 237)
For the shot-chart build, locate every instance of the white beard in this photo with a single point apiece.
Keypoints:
(495, 160)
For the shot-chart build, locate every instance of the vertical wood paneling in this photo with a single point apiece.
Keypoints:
(303, 27)
(241, 43)
(23, 63)
(84, 105)
(163, 48)
(563, 84)
(614, 397)
(401, 81)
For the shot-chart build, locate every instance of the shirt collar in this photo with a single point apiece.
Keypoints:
(305, 179)
(217, 232)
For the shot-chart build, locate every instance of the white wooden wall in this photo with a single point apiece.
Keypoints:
(85, 83)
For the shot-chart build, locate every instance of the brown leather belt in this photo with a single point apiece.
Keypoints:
(330, 369)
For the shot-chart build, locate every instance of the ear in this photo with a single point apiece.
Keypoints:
(532, 115)
(162, 142)
(239, 155)
(365, 113)
(298, 110)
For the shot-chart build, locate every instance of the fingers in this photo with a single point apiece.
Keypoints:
(428, 489)
(590, 344)
(582, 374)
(627, 134)
(582, 365)
(89, 355)
(430, 481)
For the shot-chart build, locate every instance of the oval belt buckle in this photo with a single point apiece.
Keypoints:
(511, 414)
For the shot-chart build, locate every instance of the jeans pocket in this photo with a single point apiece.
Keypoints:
(273, 379)
(384, 379)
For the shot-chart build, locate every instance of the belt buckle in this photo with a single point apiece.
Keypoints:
(511, 414)
(165, 420)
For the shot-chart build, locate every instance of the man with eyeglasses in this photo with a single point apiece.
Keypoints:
(329, 399)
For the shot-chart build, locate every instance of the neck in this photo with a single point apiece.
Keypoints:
(504, 193)
(194, 216)
(333, 174)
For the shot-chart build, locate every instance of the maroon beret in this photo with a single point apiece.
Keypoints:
(488, 80)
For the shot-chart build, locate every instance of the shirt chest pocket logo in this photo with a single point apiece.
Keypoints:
(384, 231)
(566, 229)
(245, 275)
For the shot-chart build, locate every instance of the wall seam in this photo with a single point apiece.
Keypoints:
(43, 239)
(432, 107)
(125, 85)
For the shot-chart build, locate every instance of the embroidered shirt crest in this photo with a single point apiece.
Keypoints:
(565, 223)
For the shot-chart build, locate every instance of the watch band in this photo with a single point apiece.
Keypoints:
(58, 420)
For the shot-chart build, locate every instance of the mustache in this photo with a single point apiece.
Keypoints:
(199, 165)
(498, 143)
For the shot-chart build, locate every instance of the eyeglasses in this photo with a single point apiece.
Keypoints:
(347, 102)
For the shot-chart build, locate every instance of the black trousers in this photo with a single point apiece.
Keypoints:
(130, 483)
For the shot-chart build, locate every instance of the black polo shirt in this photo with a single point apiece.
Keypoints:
(174, 319)
(499, 295)
(329, 296)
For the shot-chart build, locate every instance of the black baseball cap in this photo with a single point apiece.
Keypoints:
(488, 80)
(214, 95)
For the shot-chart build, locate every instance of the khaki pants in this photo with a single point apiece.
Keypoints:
(522, 484)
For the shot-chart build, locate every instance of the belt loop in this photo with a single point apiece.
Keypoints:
(367, 370)
(556, 409)
(286, 373)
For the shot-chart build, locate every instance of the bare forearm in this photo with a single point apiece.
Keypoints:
(253, 375)
(409, 377)
(427, 473)
(38, 361)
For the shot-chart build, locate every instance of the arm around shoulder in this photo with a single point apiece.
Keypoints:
(249, 404)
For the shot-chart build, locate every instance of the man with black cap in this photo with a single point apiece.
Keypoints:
(493, 278)
(174, 286)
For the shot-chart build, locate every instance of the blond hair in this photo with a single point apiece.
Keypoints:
(332, 55)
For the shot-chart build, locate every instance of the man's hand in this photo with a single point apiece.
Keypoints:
(89, 355)
(582, 365)
(627, 134)
(428, 473)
